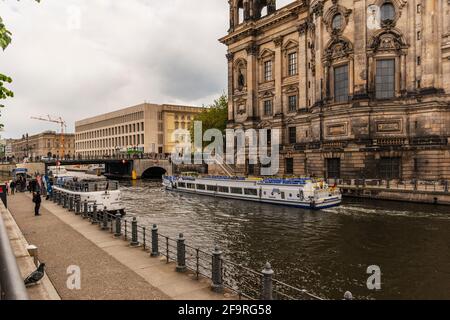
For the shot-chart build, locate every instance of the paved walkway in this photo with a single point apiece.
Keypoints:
(45, 290)
(110, 268)
(60, 246)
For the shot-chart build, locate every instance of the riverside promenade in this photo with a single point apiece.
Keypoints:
(110, 269)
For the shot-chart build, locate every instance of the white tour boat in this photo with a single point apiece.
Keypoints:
(93, 189)
(302, 193)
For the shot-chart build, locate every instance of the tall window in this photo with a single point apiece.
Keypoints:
(337, 22)
(292, 64)
(292, 135)
(268, 107)
(390, 168)
(292, 103)
(333, 168)
(341, 83)
(268, 70)
(387, 12)
(289, 169)
(385, 79)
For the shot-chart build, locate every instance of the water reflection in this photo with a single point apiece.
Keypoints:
(326, 252)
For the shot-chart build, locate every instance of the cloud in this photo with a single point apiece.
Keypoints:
(79, 58)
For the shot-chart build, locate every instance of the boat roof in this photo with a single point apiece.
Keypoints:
(272, 181)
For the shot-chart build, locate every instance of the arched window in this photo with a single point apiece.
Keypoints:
(338, 62)
(337, 22)
(387, 12)
(387, 64)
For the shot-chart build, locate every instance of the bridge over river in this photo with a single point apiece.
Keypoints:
(123, 168)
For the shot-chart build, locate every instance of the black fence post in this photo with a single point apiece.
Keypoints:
(105, 219)
(267, 286)
(118, 232)
(85, 210)
(217, 281)
(155, 246)
(348, 296)
(181, 254)
(78, 206)
(94, 214)
(71, 206)
(134, 233)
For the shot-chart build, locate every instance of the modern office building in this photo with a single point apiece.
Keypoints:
(359, 89)
(145, 128)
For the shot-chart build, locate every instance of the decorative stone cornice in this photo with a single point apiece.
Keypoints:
(317, 10)
(303, 27)
(252, 49)
(278, 41)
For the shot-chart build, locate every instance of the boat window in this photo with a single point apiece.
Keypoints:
(191, 186)
(212, 188)
(283, 195)
(201, 187)
(290, 195)
(251, 192)
(236, 190)
(224, 189)
(181, 184)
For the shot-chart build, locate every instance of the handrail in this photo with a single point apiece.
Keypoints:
(12, 286)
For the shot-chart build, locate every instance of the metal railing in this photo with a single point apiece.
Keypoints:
(224, 274)
(12, 286)
(395, 184)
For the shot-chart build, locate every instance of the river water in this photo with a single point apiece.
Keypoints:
(325, 252)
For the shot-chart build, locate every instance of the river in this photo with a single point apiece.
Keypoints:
(325, 252)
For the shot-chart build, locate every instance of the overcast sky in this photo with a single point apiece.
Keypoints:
(80, 58)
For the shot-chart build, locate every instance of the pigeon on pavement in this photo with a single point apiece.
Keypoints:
(36, 276)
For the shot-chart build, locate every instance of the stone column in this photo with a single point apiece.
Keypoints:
(252, 52)
(303, 65)
(318, 14)
(359, 71)
(403, 74)
(232, 16)
(278, 103)
(230, 58)
(246, 10)
(430, 55)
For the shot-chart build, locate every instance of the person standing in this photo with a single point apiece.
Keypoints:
(12, 186)
(37, 202)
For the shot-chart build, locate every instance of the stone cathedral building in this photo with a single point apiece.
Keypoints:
(359, 88)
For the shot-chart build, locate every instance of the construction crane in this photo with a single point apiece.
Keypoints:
(63, 125)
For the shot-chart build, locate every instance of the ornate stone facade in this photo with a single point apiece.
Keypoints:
(358, 88)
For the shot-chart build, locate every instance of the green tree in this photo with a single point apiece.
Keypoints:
(215, 116)
(5, 40)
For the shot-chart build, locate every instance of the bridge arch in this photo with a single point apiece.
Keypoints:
(154, 173)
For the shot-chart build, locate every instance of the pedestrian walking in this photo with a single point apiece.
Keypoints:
(37, 202)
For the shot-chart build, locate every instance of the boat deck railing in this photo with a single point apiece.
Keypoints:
(91, 186)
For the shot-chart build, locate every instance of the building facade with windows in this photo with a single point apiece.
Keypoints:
(145, 128)
(48, 144)
(359, 89)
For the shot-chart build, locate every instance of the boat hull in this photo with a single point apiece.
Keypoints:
(311, 205)
(105, 200)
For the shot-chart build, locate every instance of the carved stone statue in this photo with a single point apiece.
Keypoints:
(241, 80)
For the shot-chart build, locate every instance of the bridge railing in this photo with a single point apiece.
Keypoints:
(12, 286)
